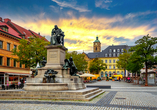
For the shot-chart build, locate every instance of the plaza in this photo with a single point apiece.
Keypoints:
(121, 96)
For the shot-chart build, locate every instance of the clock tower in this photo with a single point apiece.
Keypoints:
(96, 45)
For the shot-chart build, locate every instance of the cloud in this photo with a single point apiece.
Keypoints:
(71, 5)
(81, 32)
(103, 3)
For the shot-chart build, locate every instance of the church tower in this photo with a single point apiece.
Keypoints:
(96, 45)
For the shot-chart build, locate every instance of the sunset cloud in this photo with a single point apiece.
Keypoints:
(82, 32)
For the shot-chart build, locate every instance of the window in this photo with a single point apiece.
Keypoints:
(106, 55)
(1, 44)
(117, 54)
(106, 67)
(105, 61)
(96, 48)
(122, 72)
(114, 67)
(8, 61)
(114, 54)
(1, 60)
(122, 50)
(8, 46)
(114, 61)
(102, 61)
(20, 65)
(25, 66)
(114, 50)
(118, 50)
(109, 67)
(110, 50)
(109, 55)
(15, 46)
(5, 29)
(14, 63)
(117, 72)
(109, 61)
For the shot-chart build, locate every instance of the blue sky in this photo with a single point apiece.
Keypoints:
(116, 22)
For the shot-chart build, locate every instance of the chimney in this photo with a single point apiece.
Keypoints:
(6, 20)
(0, 19)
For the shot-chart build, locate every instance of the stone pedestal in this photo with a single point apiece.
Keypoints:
(55, 61)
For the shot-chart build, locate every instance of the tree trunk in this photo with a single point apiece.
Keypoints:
(146, 81)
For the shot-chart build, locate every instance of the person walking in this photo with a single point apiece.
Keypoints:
(119, 79)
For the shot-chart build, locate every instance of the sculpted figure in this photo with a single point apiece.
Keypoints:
(70, 64)
(57, 36)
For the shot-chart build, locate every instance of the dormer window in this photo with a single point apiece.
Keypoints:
(118, 50)
(122, 50)
(4, 28)
(110, 50)
(114, 54)
(106, 55)
(109, 55)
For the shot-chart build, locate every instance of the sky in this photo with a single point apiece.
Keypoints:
(117, 22)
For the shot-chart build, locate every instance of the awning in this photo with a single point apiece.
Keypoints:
(18, 74)
(87, 75)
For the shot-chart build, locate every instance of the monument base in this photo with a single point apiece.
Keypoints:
(45, 86)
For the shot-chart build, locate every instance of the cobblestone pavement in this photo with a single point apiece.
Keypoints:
(118, 98)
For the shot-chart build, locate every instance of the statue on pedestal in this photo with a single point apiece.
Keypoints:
(57, 36)
(70, 64)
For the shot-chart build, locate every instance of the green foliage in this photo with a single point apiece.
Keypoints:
(123, 60)
(145, 50)
(135, 64)
(79, 60)
(32, 51)
(96, 66)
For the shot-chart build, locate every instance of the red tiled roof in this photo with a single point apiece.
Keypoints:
(22, 30)
(26, 32)
(35, 34)
(10, 30)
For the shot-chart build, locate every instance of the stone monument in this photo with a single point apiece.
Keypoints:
(66, 78)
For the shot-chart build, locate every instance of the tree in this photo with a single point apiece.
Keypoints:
(79, 60)
(145, 50)
(96, 66)
(134, 64)
(31, 51)
(123, 60)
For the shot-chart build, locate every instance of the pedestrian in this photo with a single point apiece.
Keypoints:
(119, 79)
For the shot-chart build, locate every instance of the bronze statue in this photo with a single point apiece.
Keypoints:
(43, 62)
(70, 64)
(57, 36)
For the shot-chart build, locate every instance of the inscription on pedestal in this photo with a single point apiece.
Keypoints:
(53, 56)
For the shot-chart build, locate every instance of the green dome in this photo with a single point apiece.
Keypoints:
(97, 39)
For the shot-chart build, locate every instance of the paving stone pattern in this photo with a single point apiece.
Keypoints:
(113, 100)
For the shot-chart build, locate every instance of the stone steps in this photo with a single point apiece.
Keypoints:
(84, 94)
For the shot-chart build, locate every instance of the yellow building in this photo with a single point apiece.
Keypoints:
(108, 56)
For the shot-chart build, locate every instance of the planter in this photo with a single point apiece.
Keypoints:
(107, 80)
(113, 80)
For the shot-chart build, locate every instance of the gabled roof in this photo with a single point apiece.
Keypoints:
(21, 30)
(10, 30)
(35, 34)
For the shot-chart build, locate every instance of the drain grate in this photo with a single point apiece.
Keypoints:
(120, 98)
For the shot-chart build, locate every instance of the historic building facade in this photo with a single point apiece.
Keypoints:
(108, 56)
(10, 34)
